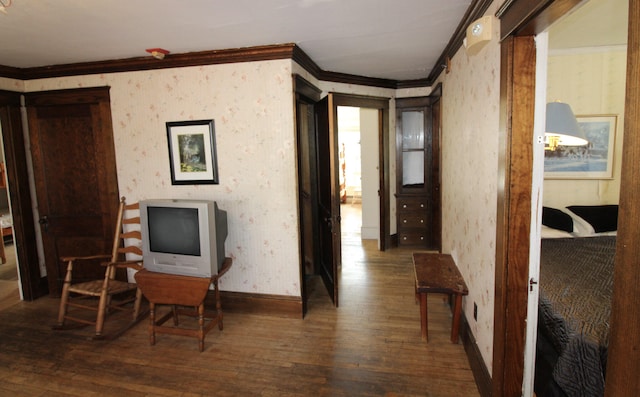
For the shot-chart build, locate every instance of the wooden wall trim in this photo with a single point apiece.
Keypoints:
(476, 362)
(15, 151)
(504, 153)
(305, 88)
(58, 97)
(237, 55)
(248, 54)
(12, 73)
(263, 304)
(359, 80)
(527, 18)
(513, 213)
(623, 361)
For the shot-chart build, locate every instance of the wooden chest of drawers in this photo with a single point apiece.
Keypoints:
(412, 221)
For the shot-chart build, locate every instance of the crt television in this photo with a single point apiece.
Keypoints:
(184, 237)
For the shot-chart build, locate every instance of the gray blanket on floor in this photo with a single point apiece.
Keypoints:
(576, 283)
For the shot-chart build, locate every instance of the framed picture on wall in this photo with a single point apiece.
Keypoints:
(192, 152)
(591, 161)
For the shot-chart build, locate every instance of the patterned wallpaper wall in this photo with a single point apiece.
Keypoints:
(252, 107)
(251, 104)
(470, 126)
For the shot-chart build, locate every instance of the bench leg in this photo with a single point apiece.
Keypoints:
(423, 316)
(457, 309)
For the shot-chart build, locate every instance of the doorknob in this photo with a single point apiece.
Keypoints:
(44, 221)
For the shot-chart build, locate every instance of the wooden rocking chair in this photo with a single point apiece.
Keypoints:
(112, 294)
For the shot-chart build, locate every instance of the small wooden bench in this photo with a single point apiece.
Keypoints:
(437, 273)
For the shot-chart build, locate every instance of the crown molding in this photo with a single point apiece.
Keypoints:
(476, 10)
(309, 65)
(11, 72)
(247, 54)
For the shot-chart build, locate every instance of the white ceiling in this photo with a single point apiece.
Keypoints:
(392, 39)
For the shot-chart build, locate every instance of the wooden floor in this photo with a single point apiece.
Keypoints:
(369, 346)
(9, 293)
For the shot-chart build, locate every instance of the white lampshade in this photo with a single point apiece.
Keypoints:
(562, 123)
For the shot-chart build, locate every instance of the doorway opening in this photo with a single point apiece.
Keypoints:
(319, 182)
(358, 134)
(9, 282)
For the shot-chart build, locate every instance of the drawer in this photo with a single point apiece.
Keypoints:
(411, 221)
(412, 238)
(414, 205)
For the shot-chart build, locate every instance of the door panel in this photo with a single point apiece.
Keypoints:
(328, 195)
(307, 193)
(75, 176)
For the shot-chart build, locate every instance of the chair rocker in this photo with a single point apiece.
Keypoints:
(113, 295)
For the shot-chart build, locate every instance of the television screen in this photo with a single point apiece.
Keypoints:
(183, 237)
(174, 230)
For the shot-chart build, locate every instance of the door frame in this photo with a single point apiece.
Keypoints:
(520, 21)
(306, 92)
(33, 284)
(381, 104)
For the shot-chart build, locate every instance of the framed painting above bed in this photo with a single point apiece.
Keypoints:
(593, 161)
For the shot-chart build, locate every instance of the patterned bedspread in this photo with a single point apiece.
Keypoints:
(576, 282)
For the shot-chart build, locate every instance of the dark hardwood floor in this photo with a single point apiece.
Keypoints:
(9, 293)
(369, 346)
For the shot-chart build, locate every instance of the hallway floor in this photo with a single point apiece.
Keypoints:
(369, 346)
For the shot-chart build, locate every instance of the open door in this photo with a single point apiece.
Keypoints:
(328, 195)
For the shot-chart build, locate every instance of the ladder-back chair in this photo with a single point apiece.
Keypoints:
(112, 294)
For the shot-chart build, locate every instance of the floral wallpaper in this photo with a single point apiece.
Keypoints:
(470, 126)
(251, 104)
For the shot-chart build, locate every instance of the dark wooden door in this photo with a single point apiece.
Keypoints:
(328, 195)
(75, 176)
(307, 193)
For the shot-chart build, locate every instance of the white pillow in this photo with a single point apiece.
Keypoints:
(549, 232)
(581, 228)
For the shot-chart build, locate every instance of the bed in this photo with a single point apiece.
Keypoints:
(576, 282)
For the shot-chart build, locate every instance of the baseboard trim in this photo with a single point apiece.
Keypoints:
(480, 372)
(264, 304)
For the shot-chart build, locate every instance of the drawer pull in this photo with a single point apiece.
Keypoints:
(421, 205)
(404, 206)
(405, 221)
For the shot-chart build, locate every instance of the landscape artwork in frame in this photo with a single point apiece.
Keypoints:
(591, 161)
(192, 152)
